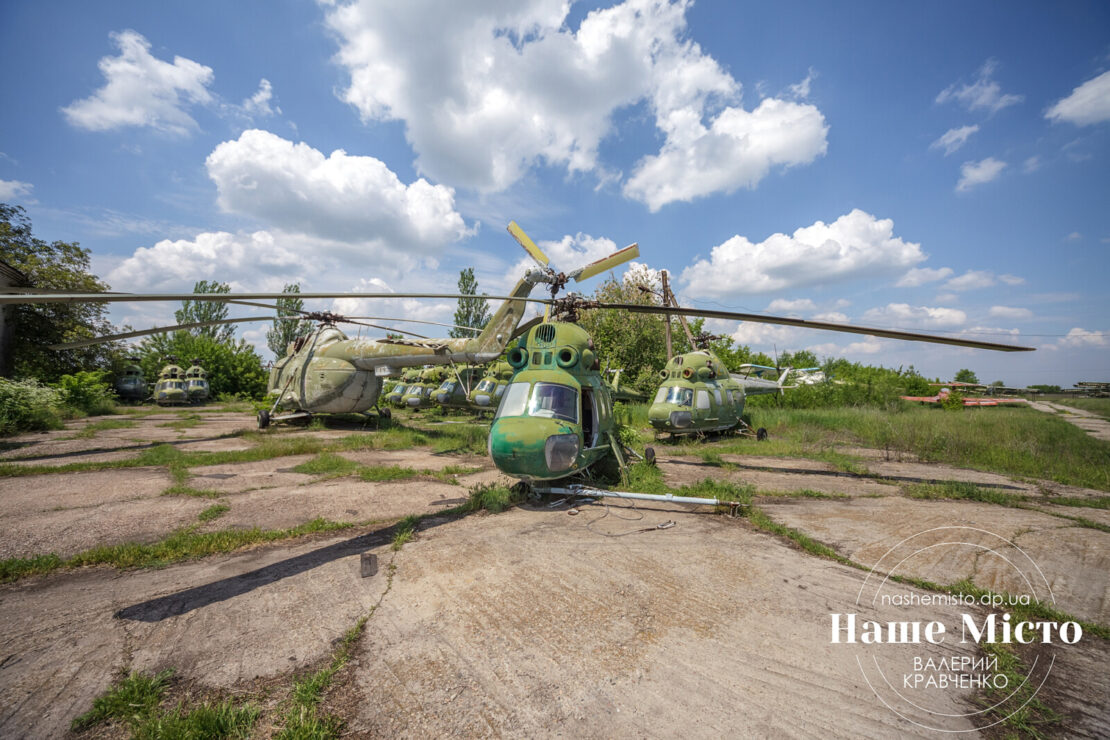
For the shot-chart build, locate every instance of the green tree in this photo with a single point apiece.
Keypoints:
(965, 376)
(288, 329)
(192, 312)
(58, 266)
(472, 312)
(234, 368)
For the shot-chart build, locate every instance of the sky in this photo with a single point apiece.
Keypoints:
(940, 167)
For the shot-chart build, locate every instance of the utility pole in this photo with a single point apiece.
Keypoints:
(667, 316)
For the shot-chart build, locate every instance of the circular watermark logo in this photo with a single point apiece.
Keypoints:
(944, 656)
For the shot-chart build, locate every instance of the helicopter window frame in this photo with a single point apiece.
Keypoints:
(717, 395)
(514, 402)
(680, 396)
(661, 394)
(701, 399)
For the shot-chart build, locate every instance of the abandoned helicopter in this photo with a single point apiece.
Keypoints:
(196, 382)
(487, 394)
(130, 384)
(170, 388)
(454, 392)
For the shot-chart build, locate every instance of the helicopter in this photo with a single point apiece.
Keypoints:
(699, 395)
(170, 388)
(487, 394)
(196, 382)
(130, 384)
(395, 392)
(419, 394)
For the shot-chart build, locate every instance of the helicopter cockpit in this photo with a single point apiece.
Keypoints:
(545, 400)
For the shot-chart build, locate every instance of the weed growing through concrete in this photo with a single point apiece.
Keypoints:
(89, 430)
(213, 512)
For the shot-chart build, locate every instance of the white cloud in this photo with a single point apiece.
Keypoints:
(977, 173)
(947, 298)
(352, 199)
(1008, 312)
(569, 253)
(1032, 164)
(982, 94)
(854, 246)
(834, 316)
(921, 275)
(12, 189)
(141, 90)
(971, 280)
(259, 103)
(904, 315)
(1088, 104)
(506, 86)
(737, 150)
(782, 305)
(953, 139)
(1078, 337)
(869, 346)
(1012, 279)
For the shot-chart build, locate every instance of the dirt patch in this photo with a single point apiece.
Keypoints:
(417, 459)
(1092, 424)
(235, 477)
(1075, 561)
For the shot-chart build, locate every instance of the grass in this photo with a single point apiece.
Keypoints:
(405, 530)
(492, 498)
(964, 492)
(1098, 406)
(1022, 712)
(386, 472)
(186, 422)
(135, 701)
(761, 521)
(185, 544)
(89, 430)
(213, 512)
(329, 464)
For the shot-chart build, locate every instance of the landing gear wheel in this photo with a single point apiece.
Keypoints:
(761, 434)
(263, 419)
(649, 455)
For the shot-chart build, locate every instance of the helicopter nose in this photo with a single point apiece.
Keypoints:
(534, 448)
(481, 399)
(413, 402)
(441, 397)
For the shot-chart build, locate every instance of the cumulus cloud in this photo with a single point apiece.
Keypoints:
(953, 139)
(856, 245)
(982, 94)
(1011, 279)
(141, 90)
(783, 305)
(352, 199)
(904, 315)
(1087, 105)
(834, 316)
(12, 189)
(921, 275)
(977, 173)
(869, 346)
(1078, 337)
(258, 105)
(507, 86)
(1009, 312)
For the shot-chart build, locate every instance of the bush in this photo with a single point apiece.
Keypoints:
(87, 392)
(28, 405)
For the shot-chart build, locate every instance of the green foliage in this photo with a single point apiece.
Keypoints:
(473, 312)
(61, 266)
(88, 392)
(213, 512)
(200, 311)
(233, 368)
(965, 376)
(27, 405)
(285, 331)
(493, 498)
(1046, 388)
(954, 401)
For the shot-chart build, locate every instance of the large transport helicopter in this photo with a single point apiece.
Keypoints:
(130, 384)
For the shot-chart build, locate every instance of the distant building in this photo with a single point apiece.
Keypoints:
(9, 278)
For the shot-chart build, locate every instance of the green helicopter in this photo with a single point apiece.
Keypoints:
(397, 390)
(170, 388)
(487, 394)
(418, 395)
(196, 383)
(130, 384)
(454, 392)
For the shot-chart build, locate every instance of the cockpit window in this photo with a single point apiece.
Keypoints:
(485, 385)
(515, 400)
(679, 396)
(660, 395)
(554, 401)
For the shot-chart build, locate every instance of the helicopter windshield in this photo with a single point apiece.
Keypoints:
(485, 385)
(546, 400)
(678, 396)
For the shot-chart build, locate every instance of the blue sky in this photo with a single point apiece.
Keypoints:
(939, 168)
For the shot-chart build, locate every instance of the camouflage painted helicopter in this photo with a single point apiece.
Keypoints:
(487, 394)
(454, 392)
(419, 394)
(170, 388)
(130, 384)
(196, 382)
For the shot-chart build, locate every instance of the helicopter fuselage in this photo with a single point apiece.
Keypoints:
(697, 396)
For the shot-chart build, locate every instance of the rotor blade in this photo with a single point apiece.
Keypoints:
(7, 299)
(417, 321)
(385, 328)
(155, 330)
(630, 252)
(529, 246)
(823, 325)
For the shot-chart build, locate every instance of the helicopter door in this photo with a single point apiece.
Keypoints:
(589, 418)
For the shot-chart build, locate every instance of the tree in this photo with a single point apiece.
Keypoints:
(285, 331)
(233, 368)
(62, 266)
(197, 311)
(965, 376)
(472, 312)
